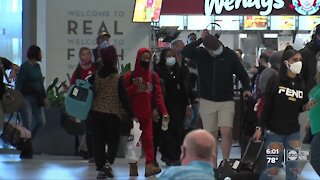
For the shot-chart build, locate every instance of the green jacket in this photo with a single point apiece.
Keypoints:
(314, 112)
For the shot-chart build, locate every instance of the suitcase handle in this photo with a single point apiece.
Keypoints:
(251, 140)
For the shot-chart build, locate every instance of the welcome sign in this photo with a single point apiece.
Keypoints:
(73, 24)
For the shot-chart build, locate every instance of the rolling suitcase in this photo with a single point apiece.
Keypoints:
(244, 168)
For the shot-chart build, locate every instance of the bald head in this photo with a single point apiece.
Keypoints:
(199, 145)
(177, 44)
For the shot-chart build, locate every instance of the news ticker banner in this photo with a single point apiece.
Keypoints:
(274, 155)
(73, 24)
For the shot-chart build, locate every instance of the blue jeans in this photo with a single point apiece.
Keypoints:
(32, 110)
(191, 123)
(195, 114)
(315, 152)
(283, 142)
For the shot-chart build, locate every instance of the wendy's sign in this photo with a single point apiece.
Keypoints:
(241, 7)
(264, 7)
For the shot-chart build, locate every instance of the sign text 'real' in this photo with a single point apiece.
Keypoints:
(265, 6)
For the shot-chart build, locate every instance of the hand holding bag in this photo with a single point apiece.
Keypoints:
(134, 151)
(13, 132)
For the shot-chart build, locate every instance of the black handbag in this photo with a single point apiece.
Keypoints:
(14, 133)
(71, 125)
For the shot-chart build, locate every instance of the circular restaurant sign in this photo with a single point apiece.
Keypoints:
(306, 7)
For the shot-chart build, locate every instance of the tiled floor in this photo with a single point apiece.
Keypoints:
(45, 167)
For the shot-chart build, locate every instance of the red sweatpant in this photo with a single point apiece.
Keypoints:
(147, 139)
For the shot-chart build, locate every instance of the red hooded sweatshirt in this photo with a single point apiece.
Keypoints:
(141, 98)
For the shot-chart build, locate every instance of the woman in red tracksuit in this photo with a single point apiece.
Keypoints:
(142, 91)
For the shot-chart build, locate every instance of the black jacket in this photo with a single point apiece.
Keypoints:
(176, 84)
(216, 73)
(309, 64)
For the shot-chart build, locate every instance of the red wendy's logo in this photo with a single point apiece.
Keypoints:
(291, 6)
(305, 7)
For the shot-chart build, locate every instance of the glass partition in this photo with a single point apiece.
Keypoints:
(11, 30)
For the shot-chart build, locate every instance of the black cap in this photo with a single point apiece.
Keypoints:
(211, 42)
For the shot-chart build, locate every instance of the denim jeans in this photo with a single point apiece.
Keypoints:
(284, 143)
(315, 152)
(32, 110)
(195, 114)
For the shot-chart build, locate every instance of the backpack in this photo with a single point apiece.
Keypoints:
(79, 99)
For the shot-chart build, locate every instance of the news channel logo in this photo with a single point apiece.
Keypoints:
(298, 155)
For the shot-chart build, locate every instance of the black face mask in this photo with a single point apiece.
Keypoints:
(144, 64)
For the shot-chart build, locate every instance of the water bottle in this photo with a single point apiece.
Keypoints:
(165, 123)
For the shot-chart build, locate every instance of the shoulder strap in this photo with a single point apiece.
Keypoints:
(9, 119)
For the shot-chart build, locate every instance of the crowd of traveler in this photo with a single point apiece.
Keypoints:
(189, 83)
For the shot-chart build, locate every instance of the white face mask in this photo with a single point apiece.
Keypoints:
(318, 66)
(218, 51)
(104, 44)
(295, 67)
(170, 61)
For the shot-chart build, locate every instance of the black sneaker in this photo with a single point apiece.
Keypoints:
(101, 175)
(105, 171)
(108, 170)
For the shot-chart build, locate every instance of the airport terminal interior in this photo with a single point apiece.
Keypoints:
(62, 28)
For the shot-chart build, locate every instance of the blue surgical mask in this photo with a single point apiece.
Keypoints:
(104, 44)
(170, 61)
